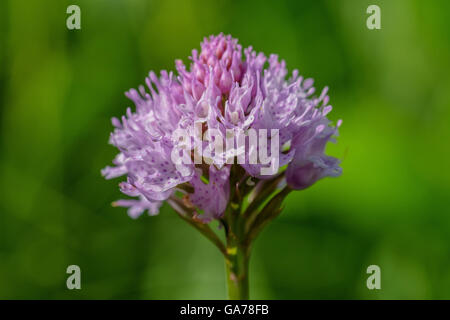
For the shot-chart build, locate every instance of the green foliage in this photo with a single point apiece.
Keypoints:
(59, 89)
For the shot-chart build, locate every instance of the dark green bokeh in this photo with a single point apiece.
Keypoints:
(59, 89)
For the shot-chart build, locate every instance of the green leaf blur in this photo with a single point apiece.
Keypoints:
(59, 88)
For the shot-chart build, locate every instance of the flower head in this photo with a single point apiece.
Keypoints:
(227, 93)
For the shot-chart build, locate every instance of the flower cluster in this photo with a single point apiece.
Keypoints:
(221, 90)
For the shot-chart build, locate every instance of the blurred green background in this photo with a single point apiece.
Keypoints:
(59, 89)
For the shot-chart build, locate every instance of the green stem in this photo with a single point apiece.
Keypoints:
(237, 255)
(236, 263)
